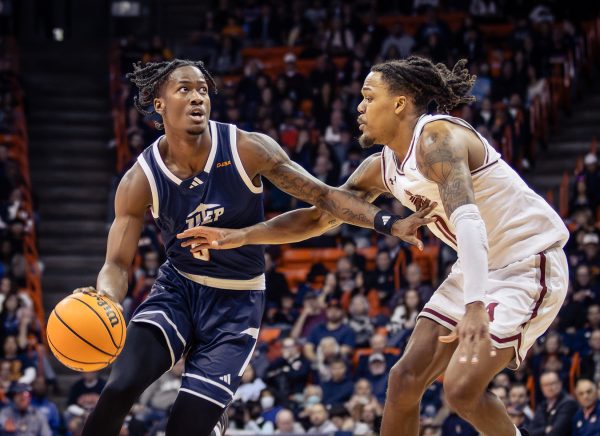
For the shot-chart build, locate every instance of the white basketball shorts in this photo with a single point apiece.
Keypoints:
(522, 300)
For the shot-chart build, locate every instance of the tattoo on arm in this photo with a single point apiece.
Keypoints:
(446, 164)
(296, 181)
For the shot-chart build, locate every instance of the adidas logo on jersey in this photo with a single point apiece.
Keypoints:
(195, 182)
(226, 378)
(385, 219)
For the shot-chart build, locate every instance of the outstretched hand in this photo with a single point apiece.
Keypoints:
(214, 238)
(472, 331)
(406, 229)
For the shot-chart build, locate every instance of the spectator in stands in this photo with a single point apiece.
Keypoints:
(382, 278)
(553, 415)
(586, 421)
(328, 350)
(22, 369)
(157, 399)
(379, 344)
(40, 401)
(517, 416)
(377, 375)
(21, 418)
(251, 386)
(269, 411)
(591, 175)
(86, 391)
(518, 397)
(502, 393)
(288, 374)
(359, 320)
(553, 357)
(584, 291)
(363, 395)
(285, 423)
(319, 420)
(338, 389)
(311, 315)
(357, 260)
(401, 41)
(294, 82)
(335, 326)
(414, 279)
(266, 29)
(276, 284)
(404, 318)
(590, 363)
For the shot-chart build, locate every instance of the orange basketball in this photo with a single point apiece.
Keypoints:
(86, 332)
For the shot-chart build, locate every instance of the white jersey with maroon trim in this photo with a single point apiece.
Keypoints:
(519, 222)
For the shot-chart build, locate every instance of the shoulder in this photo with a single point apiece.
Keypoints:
(134, 183)
(436, 135)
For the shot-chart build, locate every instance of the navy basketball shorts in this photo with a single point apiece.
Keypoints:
(217, 328)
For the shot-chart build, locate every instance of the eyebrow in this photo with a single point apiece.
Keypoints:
(180, 81)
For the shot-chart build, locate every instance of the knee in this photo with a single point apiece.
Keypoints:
(460, 395)
(405, 385)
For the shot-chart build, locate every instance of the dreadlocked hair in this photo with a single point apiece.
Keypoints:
(149, 78)
(427, 82)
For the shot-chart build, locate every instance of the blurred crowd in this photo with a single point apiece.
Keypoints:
(329, 342)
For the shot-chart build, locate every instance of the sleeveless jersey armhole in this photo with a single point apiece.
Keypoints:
(383, 170)
(152, 182)
(238, 162)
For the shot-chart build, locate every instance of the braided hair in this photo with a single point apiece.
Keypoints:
(150, 77)
(426, 82)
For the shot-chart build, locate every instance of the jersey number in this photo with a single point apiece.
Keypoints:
(202, 254)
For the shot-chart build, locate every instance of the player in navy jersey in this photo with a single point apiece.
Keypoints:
(205, 305)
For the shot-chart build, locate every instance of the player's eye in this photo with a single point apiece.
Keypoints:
(183, 89)
(204, 90)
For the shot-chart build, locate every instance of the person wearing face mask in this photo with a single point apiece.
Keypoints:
(269, 411)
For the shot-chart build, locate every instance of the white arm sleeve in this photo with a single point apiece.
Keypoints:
(472, 242)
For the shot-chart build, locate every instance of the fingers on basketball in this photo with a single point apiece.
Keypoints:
(86, 331)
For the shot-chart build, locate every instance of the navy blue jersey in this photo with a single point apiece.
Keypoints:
(222, 195)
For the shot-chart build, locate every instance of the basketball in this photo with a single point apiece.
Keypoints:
(86, 332)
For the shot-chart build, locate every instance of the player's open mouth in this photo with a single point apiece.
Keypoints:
(197, 116)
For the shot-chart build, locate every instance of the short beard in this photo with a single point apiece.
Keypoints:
(366, 141)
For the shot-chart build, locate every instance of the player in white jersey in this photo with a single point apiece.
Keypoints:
(511, 275)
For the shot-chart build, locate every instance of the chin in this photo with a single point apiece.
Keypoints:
(196, 130)
(366, 141)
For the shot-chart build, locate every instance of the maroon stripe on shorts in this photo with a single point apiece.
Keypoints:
(543, 284)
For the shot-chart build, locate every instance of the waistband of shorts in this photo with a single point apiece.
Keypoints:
(254, 284)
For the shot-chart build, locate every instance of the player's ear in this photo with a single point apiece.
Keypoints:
(400, 104)
(158, 105)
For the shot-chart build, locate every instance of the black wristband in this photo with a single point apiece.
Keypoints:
(384, 221)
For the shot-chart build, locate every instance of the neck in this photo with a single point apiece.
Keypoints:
(400, 143)
(588, 410)
(188, 152)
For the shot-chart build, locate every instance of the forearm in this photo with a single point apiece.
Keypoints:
(294, 226)
(113, 280)
(348, 208)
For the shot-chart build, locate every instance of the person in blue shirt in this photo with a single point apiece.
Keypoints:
(40, 401)
(334, 326)
(586, 421)
(340, 387)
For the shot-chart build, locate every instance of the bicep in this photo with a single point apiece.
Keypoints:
(131, 202)
(446, 163)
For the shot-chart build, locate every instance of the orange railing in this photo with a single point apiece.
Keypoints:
(118, 97)
(19, 151)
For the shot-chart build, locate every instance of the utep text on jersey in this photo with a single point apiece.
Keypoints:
(221, 195)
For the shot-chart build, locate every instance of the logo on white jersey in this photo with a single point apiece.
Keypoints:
(226, 378)
(204, 214)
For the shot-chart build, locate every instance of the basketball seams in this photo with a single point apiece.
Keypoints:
(101, 320)
(77, 334)
(73, 360)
